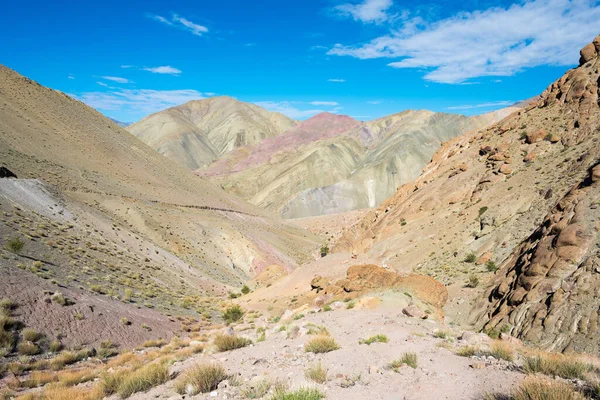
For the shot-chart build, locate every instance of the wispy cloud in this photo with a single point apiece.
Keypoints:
(250, 44)
(102, 84)
(375, 102)
(300, 109)
(138, 102)
(180, 22)
(71, 76)
(166, 69)
(503, 103)
(494, 42)
(366, 11)
(117, 79)
(336, 80)
(324, 103)
(318, 48)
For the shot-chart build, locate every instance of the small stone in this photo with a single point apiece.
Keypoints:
(412, 311)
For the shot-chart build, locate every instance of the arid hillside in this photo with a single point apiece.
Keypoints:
(197, 133)
(332, 163)
(485, 193)
(104, 219)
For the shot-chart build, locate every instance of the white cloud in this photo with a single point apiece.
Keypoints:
(324, 103)
(142, 101)
(166, 69)
(250, 44)
(116, 79)
(319, 48)
(367, 11)
(297, 109)
(179, 22)
(375, 102)
(503, 103)
(336, 80)
(493, 42)
(102, 84)
(126, 66)
(71, 76)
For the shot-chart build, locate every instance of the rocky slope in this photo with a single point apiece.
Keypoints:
(197, 133)
(547, 291)
(483, 194)
(331, 164)
(106, 220)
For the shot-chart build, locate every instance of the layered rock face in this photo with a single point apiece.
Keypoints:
(548, 291)
(199, 132)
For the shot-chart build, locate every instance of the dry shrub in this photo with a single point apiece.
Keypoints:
(201, 379)
(143, 379)
(502, 351)
(317, 373)
(543, 389)
(231, 342)
(321, 344)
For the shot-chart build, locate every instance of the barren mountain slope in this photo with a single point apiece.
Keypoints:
(129, 218)
(197, 133)
(485, 192)
(547, 291)
(314, 170)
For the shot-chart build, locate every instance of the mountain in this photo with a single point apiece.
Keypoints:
(521, 196)
(331, 164)
(121, 124)
(199, 132)
(104, 219)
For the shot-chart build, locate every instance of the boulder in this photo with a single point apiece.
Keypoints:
(485, 257)
(534, 137)
(319, 283)
(413, 311)
(530, 156)
(506, 169)
(588, 53)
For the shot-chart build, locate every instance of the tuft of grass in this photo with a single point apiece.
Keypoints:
(7, 306)
(231, 342)
(502, 351)
(321, 344)
(473, 281)
(31, 335)
(143, 379)
(467, 351)
(379, 338)
(154, 343)
(470, 258)
(55, 346)
(316, 373)
(491, 266)
(565, 366)
(541, 389)
(14, 245)
(409, 359)
(28, 348)
(257, 389)
(245, 289)
(202, 378)
(317, 330)
(233, 314)
(299, 394)
(440, 334)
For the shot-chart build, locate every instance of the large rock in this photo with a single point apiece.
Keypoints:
(588, 53)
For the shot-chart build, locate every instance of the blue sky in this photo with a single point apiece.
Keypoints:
(365, 58)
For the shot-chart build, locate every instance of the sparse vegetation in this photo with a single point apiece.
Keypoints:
(409, 359)
(565, 366)
(15, 245)
(502, 351)
(28, 348)
(470, 258)
(143, 379)
(324, 250)
(201, 379)
(541, 389)
(317, 373)
(31, 335)
(299, 394)
(473, 281)
(257, 389)
(467, 351)
(233, 314)
(374, 339)
(231, 342)
(491, 266)
(321, 344)
(245, 289)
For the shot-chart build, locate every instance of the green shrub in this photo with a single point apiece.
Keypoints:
(257, 390)
(471, 258)
(233, 314)
(245, 289)
(28, 348)
(473, 281)
(324, 250)
(300, 394)
(491, 266)
(409, 359)
(374, 339)
(15, 245)
(31, 335)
